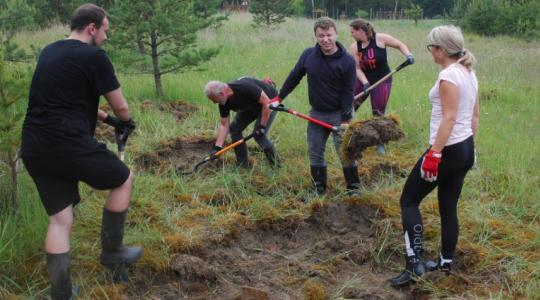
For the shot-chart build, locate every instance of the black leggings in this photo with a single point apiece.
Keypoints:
(457, 160)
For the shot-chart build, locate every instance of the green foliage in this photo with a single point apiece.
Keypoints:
(161, 32)
(16, 15)
(269, 12)
(414, 12)
(13, 88)
(499, 17)
(360, 13)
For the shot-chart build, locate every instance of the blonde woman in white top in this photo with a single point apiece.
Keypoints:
(454, 122)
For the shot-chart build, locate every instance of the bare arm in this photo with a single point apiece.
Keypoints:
(223, 130)
(391, 41)
(118, 104)
(101, 115)
(359, 73)
(265, 114)
(476, 117)
(449, 102)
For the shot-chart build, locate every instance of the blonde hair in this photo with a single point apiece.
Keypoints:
(213, 88)
(450, 39)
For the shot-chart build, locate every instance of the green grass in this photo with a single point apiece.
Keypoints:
(499, 209)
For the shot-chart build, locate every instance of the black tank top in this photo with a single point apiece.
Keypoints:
(373, 60)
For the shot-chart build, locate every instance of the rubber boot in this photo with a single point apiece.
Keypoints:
(270, 154)
(443, 264)
(414, 269)
(58, 270)
(318, 174)
(380, 149)
(114, 254)
(353, 180)
(241, 152)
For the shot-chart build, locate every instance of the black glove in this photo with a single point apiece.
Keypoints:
(260, 130)
(213, 151)
(410, 59)
(365, 91)
(110, 120)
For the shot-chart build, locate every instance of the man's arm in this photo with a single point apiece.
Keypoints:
(223, 130)
(347, 95)
(118, 104)
(265, 113)
(297, 73)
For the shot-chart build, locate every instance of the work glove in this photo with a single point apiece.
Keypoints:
(430, 165)
(365, 91)
(274, 102)
(410, 58)
(213, 151)
(110, 120)
(260, 131)
(122, 131)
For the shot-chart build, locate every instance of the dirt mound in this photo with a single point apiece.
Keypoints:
(372, 132)
(323, 256)
(180, 154)
(179, 108)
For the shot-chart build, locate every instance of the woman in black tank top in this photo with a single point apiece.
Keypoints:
(369, 52)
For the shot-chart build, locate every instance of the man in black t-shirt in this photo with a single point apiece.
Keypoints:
(58, 145)
(249, 98)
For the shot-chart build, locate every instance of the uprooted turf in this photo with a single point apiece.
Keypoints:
(363, 134)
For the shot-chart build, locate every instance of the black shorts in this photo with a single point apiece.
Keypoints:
(57, 178)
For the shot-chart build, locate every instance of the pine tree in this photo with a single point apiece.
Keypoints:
(269, 12)
(162, 31)
(13, 88)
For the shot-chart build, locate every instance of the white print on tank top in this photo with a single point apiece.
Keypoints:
(467, 84)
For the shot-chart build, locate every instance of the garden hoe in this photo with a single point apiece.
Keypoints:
(218, 153)
(403, 65)
(358, 135)
(338, 129)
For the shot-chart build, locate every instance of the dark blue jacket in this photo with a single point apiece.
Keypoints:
(331, 80)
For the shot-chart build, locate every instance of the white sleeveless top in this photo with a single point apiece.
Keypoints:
(467, 84)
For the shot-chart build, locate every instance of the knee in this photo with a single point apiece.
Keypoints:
(62, 219)
(129, 181)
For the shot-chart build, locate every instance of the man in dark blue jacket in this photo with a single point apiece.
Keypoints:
(331, 75)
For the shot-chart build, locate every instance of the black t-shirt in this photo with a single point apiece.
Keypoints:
(62, 110)
(246, 95)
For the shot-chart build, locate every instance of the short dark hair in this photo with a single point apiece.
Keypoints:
(86, 14)
(324, 23)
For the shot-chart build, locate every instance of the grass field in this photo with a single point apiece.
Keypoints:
(499, 211)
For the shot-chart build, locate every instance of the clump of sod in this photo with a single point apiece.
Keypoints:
(366, 133)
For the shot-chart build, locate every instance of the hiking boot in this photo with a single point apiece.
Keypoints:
(270, 154)
(114, 254)
(414, 269)
(58, 271)
(443, 264)
(318, 175)
(241, 152)
(380, 149)
(353, 181)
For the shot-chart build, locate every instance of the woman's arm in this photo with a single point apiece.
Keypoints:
(359, 73)
(476, 117)
(391, 41)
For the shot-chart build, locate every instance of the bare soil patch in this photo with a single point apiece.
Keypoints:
(325, 255)
(181, 154)
(179, 108)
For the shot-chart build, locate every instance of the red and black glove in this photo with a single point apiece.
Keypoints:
(274, 102)
(430, 165)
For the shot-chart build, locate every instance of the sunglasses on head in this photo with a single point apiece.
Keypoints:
(431, 46)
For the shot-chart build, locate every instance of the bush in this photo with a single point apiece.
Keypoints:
(362, 14)
(499, 17)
